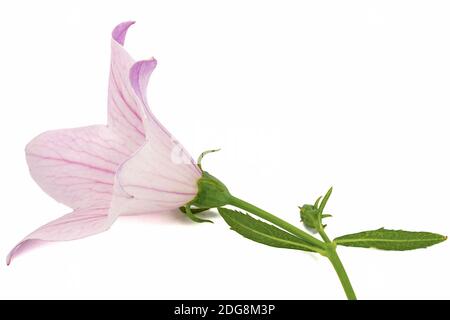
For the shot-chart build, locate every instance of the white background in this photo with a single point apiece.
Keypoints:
(299, 95)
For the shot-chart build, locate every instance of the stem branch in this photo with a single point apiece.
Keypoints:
(326, 248)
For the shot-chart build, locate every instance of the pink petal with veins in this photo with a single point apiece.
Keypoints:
(75, 225)
(124, 112)
(130, 166)
(77, 166)
(161, 175)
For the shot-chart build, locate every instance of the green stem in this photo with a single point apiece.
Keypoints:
(337, 264)
(324, 235)
(277, 221)
(340, 270)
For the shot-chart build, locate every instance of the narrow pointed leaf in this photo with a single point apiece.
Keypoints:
(193, 217)
(325, 199)
(385, 239)
(316, 204)
(262, 232)
(194, 210)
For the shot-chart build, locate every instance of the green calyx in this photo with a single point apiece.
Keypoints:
(212, 193)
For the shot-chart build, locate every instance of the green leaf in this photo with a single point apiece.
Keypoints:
(262, 232)
(390, 239)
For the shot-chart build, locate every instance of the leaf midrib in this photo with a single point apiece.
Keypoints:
(386, 240)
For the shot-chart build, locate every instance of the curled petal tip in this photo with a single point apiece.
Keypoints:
(140, 74)
(120, 31)
(22, 247)
(12, 254)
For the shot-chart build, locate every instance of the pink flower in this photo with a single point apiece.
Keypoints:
(132, 165)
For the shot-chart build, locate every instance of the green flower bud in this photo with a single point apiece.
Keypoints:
(310, 216)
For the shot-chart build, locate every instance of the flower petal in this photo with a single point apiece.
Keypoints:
(120, 31)
(161, 175)
(124, 112)
(139, 76)
(75, 225)
(77, 166)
